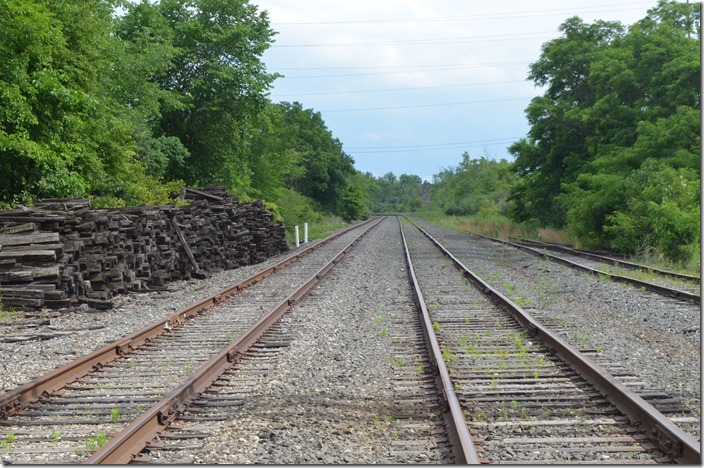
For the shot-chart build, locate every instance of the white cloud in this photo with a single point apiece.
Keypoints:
(506, 37)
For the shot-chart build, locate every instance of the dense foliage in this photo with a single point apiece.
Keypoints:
(613, 149)
(124, 102)
(399, 194)
(475, 187)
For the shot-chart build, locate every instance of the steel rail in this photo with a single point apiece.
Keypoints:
(15, 400)
(680, 446)
(459, 436)
(662, 290)
(605, 259)
(121, 448)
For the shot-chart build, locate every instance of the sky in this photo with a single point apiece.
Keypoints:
(408, 86)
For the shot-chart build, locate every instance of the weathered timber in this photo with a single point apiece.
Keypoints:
(32, 238)
(27, 227)
(79, 255)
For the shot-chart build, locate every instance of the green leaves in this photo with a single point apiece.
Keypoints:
(621, 110)
(475, 187)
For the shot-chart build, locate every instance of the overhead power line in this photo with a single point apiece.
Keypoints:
(458, 103)
(487, 64)
(439, 68)
(430, 147)
(398, 89)
(442, 40)
(494, 16)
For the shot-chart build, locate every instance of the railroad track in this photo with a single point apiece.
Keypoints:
(106, 406)
(617, 260)
(666, 283)
(471, 383)
(528, 396)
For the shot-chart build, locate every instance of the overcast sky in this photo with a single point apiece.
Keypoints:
(408, 86)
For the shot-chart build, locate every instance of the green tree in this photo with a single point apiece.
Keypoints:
(61, 134)
(475, 187)
(556, 148)
(218, 76)
(638, 115)
(145, 51)
(351, 205)
(406, 192)
(620, 113)
(325, 166)
(273, 160)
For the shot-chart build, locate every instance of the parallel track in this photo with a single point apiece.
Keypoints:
(608, 258)
(477, 377)
(529, 396)
(682, 287)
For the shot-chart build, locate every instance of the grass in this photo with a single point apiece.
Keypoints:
(317, 229)
(554, 237)
(450, 359)
(10, 438)
(6, 313)
(115, 413)
(94, 443)
(497, 227)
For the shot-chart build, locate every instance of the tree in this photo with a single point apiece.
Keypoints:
(620, 113)
(61, 134)
(325, 166)
(556, 148)
(475, 186)
(216, 74)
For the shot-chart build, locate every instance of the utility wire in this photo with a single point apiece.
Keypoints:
(435, 147)
(398, 89)
(345, 75)
(429, 41)
(426, 105)
(494, 16)
(429, 145)
(488, 64)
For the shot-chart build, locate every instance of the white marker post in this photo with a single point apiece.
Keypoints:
(305, 233)
(297, 242)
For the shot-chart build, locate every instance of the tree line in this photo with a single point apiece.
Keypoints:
(124, 102)
(613, 151)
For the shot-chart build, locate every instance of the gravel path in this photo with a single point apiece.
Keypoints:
(657, 338)
(330, 398)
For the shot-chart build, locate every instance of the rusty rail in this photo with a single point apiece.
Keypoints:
(458, 433)
(13, 401)
(680, 446)
(662, 290)
(603, 258)
(132, 439)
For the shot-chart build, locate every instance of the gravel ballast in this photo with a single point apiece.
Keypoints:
(329, 397)
(656, 338)
(20, 362)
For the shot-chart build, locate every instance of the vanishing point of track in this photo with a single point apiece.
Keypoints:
(498, 386)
